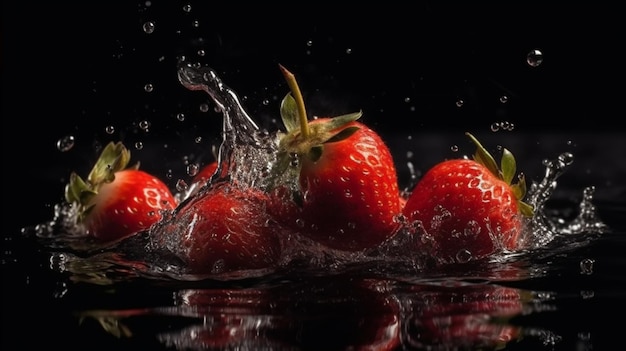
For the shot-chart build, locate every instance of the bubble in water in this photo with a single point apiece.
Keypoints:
(148, 27)
(459, 103)
(201, 52)
(138, 145)
(180, 116)
(187, 8)
(204, 107)
(195, 23)
(309, 43)
(454, 148)
(109, 129)
(148, 88)
(504, 99)
(348, 51)
(197, 139)
(534, 58)
(66, 143)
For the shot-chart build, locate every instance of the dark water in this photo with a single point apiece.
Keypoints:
(422, 78)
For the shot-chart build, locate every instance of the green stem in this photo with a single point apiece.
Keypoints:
(297, 95)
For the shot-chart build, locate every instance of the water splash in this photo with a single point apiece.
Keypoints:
(245, 157)
(245, 149)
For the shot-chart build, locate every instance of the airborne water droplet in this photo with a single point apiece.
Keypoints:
(66, 143)
(192, 169)
(586, 266)
(148, 27)
(534, 58)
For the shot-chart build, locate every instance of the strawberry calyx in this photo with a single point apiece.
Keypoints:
(506, 172)
(113, 158)
(304, 139)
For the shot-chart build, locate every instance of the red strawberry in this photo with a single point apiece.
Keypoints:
(224, 231)
(115, 202)
(205, 174)
(347, 187)
(201, 178)
(468, 208)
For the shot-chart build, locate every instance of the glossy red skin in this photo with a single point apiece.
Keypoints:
(226, 229)
(133, 202)
(351, 193)
(205, 174)
(463, 206)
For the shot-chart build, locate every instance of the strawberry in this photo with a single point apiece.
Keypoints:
(468, 208)
(201, 178)
(115, 201)
(223, 231)
(346, 195)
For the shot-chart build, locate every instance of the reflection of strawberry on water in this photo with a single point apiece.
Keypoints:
(330, 314)
(461, 316)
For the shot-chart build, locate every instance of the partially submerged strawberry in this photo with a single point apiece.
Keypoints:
(347, 187)
(116, 201)
(469, 208)
(223, 231)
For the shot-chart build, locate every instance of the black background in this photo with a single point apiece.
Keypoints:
(75, 68)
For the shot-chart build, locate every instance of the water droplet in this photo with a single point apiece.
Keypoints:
(148, 87)
(148, 27)
(66, 143)
(181, 185)
(463, 256)
(534, 58)
(192, 169)
(566, 158)
(144, 125)
(587, 294)
(187, 8)
(586, 266)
